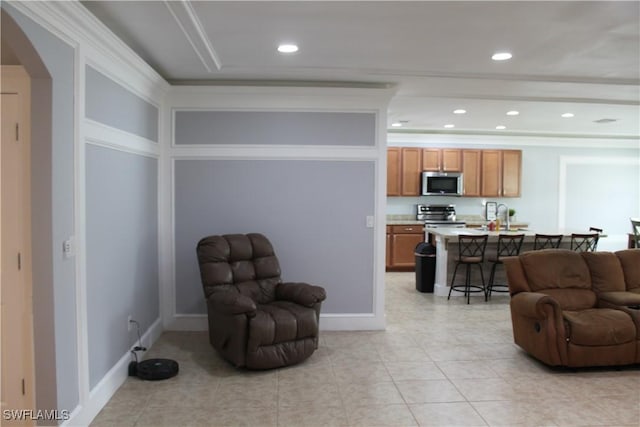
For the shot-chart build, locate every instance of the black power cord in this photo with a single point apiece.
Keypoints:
(133, 365)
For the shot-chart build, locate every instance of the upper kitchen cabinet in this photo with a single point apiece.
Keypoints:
(442, 159)
(511, 172)
(404, 167)
(501, 172)
(411, 171)
(471, 166)
(393, 171)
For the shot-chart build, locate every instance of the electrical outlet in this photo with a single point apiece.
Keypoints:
(129, 322)
(69, 247)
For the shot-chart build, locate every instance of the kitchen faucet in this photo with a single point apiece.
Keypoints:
(506, 215)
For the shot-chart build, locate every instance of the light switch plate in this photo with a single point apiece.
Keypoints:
(369, 221)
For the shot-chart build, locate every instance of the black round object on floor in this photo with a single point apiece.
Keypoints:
(157, 369)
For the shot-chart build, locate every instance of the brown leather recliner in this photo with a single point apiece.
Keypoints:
(556, 314)
(255, 320)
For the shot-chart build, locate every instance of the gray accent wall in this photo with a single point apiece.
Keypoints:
(53, 213)
(274, 128)
(122, 252)
(312, 211)
(111, 104)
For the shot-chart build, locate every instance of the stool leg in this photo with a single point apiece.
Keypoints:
(491, 277)
(455, 270)
(467, 283)
(484, 286)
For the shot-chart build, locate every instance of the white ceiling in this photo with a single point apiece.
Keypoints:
(573, 56)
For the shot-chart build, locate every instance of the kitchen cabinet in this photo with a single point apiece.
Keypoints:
(393, 171)
(401, 243)
(486, 173)
(511, 173)
(471, 166)
(491, 180)
(411, 171)
(442, 159)
(404, 167)
(501, 173)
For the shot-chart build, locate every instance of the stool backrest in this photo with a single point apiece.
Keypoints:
(509, 244)
(472, 245)
(547, 241)
(584, 242)
(635, 225)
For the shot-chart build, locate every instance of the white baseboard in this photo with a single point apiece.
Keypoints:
(328, 322)
(109, 384)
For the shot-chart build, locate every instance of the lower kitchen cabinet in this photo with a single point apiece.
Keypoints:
(401, 243)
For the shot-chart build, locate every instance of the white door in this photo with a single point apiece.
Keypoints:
(15, 251)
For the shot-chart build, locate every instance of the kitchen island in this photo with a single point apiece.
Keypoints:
(446, 243)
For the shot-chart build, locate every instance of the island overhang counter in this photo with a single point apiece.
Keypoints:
(445, 240)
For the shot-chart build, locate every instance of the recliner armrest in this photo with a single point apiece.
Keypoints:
(300, 293)
(232, 303)
(533, 304)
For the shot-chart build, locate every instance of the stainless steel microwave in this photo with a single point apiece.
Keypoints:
(442, 184)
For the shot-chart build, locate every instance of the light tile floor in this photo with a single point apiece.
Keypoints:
(439, 363)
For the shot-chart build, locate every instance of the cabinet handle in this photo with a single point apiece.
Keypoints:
(408, 229)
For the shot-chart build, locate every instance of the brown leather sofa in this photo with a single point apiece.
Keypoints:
(574, 309)
(255, 319)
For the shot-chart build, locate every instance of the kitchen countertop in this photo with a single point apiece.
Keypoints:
(471, 220)
(452, 233)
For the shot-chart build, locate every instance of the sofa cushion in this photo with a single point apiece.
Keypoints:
(606, 271)
(572, 299)
(599, 327)
(555, 269)
(630, 261)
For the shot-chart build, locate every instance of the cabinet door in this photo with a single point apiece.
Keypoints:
(403, 247)
(451, 160)
(491, 182)
(471, 172)
(431, 159)
(411, 169)
(393, 171)
(511, 172)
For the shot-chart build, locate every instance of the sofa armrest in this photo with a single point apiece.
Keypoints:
(533, 304)
(300, 293)
(619, 298)
(232, 303)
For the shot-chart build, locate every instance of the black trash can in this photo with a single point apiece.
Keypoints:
(425, 267)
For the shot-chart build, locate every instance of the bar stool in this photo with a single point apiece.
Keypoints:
(470, 252)
(635, 226)
(546, 241)
(584, 242)
(508, 245)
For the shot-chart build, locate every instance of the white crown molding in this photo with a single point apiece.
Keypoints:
(276, 152)
(97, 133)
(74, 24)
(188, 21)
(420, 139)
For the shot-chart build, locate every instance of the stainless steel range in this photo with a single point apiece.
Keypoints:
(438, 216)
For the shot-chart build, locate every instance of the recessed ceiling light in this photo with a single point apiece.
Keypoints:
(459, 111)
(288, 48)
(513, 113)
(500, 127)
(396, 124)
(567, 115)
(449, 126)
(501, 56)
